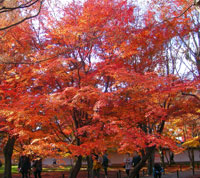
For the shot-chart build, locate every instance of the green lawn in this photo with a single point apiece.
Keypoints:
(53, 169)
(50, 169)
(14, 169)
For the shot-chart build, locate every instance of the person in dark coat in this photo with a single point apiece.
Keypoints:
(1, 163)
(105, 164)
(37, 167)
(24, 166)
(157, 170)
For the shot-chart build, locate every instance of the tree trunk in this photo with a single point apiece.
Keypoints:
(8, 151)
(191, 156)
(167, 153)
(193, 163)
(89, 166)
(151, 163)
(171, 158)
(162, 158)
(141, 164)
(76, 168)
(197, 58)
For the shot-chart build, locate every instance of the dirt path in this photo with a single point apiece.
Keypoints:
(171, 172)
(82, 174)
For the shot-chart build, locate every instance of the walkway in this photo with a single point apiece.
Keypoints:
(113, 174)
(183, 174)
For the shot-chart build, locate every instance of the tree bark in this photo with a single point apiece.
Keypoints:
(89, 166)
(8, 151)
(162, 157)
(151, 163)
(167, 153)
(193, 161)
(141, 164)
(76, 168)
(191, 156)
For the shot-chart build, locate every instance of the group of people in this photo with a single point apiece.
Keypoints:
(129, 162)
(98, 163)
(25, 166)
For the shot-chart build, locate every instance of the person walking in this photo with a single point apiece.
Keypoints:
(127, 163)
(24, 166)
(105, 164)
(54, 161)
(37, 167)
(157, 170)
(96, 166)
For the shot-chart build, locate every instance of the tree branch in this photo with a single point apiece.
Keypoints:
(26, 18)
(31, 63)
(166, 20)
(189, 94)
(26, 5)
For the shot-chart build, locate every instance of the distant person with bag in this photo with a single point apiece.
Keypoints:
(157, 170)
(24, 166)
(37, 167)
(127, 163)
(96, 166)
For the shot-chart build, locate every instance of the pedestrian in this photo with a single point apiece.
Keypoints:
(127, 163)
(135, 161)
(54, 161)
(37, 167)
(172, 158)
(157, 170)
(96, 166)
(1, 164)
(105, 164)
(24, 166)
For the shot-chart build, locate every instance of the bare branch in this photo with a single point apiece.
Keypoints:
(26, 5)
(26, 18)
(167, 20)
(181, 13)
(190, 94)
(31, 63)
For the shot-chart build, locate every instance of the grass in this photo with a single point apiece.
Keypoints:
(45, 169)
(55, 169)
(14, 169)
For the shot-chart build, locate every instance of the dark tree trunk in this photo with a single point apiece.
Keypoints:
(141, 164)
(76, 168)
(171, 158)
(191, 156)
(8, 151)
(166, 156)
(151, 163)
(198, 63)
(162, 158)
(89, 166)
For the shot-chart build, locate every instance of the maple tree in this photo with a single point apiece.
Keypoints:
(183, 48)
(105, 47)
(185, 126)
(96, 80)
(16, 46)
